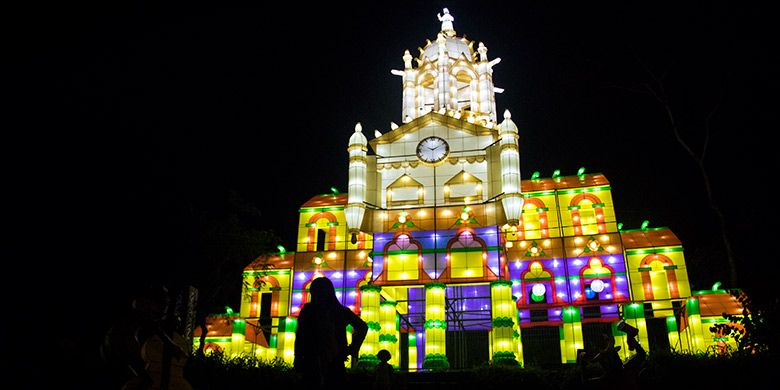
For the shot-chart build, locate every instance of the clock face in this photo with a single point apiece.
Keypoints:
(432, 149)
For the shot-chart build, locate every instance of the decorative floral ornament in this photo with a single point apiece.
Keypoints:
(534, 250)
(593, 245)
(466, 216)
(403, 221)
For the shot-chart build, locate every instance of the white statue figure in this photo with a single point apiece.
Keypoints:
(446, 21)
(482, 50)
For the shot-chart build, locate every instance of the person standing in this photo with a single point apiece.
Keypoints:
(321, 337)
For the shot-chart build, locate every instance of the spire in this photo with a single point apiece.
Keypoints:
(357, 137)
(446, 23)
(508, 125)
(407, 60)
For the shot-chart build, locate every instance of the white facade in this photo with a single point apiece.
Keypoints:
(449, 95)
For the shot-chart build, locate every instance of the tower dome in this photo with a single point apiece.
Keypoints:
(455, 47)
(452, 75)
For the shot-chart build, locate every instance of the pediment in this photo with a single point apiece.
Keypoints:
(433, 118)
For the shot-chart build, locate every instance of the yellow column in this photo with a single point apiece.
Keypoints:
(435, 327)
(237, 337)
(694, 331)
(634, 315)
(388, 334)
(412, 352)
(503, 312)
(673, 333)
(285, 340)
(571, 334)
(369, 312)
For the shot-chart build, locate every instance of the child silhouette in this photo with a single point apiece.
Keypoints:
(384, 371)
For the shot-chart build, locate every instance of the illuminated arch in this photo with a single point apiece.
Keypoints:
(424, 86)
(598, 210)
(646, 270)
(537, 204)
(461, 67)
(536, 273)
(275, 289)
(312, 234)
(466, 238)
(593, 270)
(403, 241)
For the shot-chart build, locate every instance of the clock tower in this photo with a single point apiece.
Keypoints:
(450, 149)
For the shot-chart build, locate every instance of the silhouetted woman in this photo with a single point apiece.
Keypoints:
(321, 338)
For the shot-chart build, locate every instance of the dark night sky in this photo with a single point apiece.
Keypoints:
(115, 107)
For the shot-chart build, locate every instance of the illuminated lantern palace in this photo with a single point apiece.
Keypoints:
(452, 257)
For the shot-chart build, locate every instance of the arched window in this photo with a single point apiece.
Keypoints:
(597, 280)
(402, 260)
(327, 223)
(659, 280)
(587, 215)
(533, 220)
(537, 284)
(467, 256)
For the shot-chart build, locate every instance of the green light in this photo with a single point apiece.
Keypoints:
(645, 223)
(334, 190)
(535, 175)
(228, 310)
(620, 225)
(556, 173)
(281, 249)
(581, 171)
(716, 286)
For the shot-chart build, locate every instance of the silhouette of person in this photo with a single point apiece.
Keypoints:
(610, 362)
(321, 338)
(128, 346)
(634, 365)
(384, 371)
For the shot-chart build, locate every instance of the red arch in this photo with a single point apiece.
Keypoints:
(312, 234)
(523, 299)
(543, 225)
(582, 277)
(575, 213)
(253, 310)
(446, 273)
(671, 276)
(421, 274)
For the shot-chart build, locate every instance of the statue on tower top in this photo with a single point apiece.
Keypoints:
(446, 23)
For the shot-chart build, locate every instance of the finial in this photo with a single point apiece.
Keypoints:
(393, 126)
(358, 128)
(507, 114)
(446, 22)
(407, 60)
(377, 133)
(482, 52)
